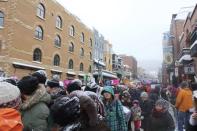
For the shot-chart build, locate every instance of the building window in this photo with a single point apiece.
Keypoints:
(37, 56)
(57, 41)
(71, 47)
(72, 31)
(70, 64)
(39, 32)
(1, 19)
(59, 22)
(105, 59)
(41, 11)
(81, 52)
(90, 56)
(90, 42)
(81, 67)
(82, 37)
(56, 60)
(90, 69)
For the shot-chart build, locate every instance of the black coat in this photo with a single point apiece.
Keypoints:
(146, 107)
(161, 122)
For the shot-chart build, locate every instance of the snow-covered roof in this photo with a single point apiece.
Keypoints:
(27, 65)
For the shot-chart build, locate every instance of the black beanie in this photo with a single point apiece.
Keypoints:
(53, 84)
(41, 78)
(73, 86)
(66, 110)
(28, 84)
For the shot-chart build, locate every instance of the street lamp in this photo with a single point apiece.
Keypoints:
(99, 71)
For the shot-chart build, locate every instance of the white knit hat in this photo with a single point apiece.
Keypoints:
(9, 95)
(144, 94)
(195, 94)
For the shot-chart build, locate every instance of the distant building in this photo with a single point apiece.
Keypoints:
(132, 63)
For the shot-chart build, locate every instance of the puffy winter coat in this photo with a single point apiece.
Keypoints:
(161, 121)
(35, 111)
(88, 108)
(10, 120)
(184, 100)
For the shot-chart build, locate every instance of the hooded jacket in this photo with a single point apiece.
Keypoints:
(10, 120)
(115, 117)
(88, 116)
(35, 111)
(184, 100)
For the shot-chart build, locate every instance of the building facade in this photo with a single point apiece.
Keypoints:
(39, 34)
(108, 56)
(131, 62)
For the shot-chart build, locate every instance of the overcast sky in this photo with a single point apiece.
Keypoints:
(134, 27)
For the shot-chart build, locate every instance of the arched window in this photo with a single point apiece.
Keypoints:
(90, 42)
(1, 19)
(59, 22)
(90, 56)
(81, 67)
(39, 32)
(81, 52)
(82, 37)
(70, 64)
(41, 11)
(72, 30)
(90, 69)
(37, 55)
(56, 60)
(71, 47)
(57, 40)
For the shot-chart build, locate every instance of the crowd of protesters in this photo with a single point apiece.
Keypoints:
(34, 103)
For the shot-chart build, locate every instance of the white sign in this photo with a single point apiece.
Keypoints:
(176, 72)
(189, 70)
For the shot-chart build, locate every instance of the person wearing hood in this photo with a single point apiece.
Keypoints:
(34, 108)
(88, 115)
(66, 113)
(10, 100)
(115, 117)
(41, 75)
(161, 119)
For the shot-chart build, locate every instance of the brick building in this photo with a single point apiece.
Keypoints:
(131, 62)
(40, 34)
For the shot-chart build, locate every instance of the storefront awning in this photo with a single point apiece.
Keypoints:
(81, 74)
(106, 74)
(185, 57)
(71, 73)
(28, 66)
(59, 71)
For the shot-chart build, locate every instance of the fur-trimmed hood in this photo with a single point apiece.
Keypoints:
(40, 95)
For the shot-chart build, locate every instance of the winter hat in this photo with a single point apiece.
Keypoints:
(162, 103)
(53, 84)
(144, 94)
(56, 77)
(184, 84)
(136, 102)
(195, 94)
(92, 86)
(41, 75)
(9, 95)
(66, 110)
(11, 81)
(74, 85)
(28, 84)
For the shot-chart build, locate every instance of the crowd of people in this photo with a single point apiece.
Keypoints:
(34, 103)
